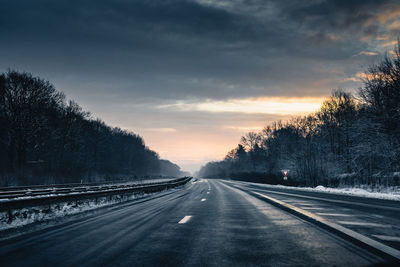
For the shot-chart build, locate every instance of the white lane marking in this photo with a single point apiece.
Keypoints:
(364, 224)
(185, 219)
(388, 238)
(313, 208)
(334, 214)
(203, 199)
(300, 203)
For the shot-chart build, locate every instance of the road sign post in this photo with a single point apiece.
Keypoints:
(285, 174)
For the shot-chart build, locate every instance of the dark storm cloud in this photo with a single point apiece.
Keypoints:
(140, 39)
(113, 22)
(187, 49)
(349, 16)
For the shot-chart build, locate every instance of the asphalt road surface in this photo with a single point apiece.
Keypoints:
(205, 223)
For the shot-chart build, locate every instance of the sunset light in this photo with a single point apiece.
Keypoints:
(264, 105)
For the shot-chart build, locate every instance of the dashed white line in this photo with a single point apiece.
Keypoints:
(364, 224)
(203, 199)
(185, 219)
(388, 238)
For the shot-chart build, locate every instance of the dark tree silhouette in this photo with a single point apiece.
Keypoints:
(45, 139)
(350, 140)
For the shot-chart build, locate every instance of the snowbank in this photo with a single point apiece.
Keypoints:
(21, 217)
(24, 216)
(389, 193)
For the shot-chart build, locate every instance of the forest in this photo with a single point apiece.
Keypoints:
(46, 139)
(353, 139)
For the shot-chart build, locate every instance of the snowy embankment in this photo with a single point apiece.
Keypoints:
(30, 215)
(54, 191)
(37, 213)
(389, 193)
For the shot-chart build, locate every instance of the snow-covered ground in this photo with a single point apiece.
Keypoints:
(30, 215)
(25, 216)
(88, 188)
(389, 193)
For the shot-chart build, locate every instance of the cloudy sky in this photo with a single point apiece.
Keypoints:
(192, 76)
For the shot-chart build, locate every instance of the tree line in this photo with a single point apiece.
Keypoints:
(352, 139)
(46, 139)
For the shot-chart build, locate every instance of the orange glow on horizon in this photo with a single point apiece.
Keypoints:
(191, 147)
(260, 105)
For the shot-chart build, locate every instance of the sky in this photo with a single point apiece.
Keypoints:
(192, 76)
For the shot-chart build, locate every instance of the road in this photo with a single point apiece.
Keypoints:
(205, 223)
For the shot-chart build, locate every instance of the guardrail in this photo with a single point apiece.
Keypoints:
(68, 185)
(39, 190)
(81, 193)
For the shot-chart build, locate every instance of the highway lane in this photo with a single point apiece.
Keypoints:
(205, 223)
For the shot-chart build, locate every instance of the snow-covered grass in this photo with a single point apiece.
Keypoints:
(88, 188)
(30, 215)
(25, 216)
(389, 193)
(145, 181)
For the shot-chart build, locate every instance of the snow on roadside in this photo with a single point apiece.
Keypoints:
(388, 193)
(30, 215)
(24, 216)
(88, 188)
